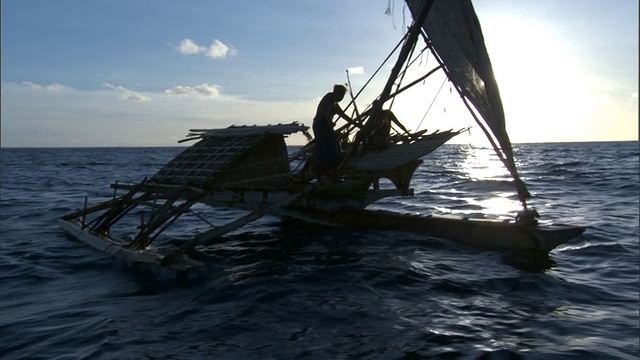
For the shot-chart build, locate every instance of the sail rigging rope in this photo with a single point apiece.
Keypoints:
(432, 102)
(404, 72)
(377, 70)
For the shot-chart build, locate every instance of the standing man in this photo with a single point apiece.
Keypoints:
(326, 154)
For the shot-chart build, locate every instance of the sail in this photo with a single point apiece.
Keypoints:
(453, 30)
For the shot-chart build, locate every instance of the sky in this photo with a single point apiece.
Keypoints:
(78, 73)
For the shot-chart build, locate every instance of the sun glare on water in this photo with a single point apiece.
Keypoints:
(482, 164)
(487, 175)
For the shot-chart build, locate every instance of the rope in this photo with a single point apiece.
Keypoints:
(432, 102)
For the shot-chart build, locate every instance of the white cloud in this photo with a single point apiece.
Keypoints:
(188, 47)
(55, 87)
(97, 117)
(126, 94)
(356, 70)
(217, 50)
(203, 90)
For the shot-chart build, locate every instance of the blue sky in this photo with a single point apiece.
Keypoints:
(142, 73)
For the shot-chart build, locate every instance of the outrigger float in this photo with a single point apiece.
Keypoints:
(250, 168)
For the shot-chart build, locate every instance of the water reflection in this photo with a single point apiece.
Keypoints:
(485, 185)
(480, 163)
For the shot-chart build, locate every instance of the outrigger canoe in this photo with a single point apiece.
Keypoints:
(250, 168)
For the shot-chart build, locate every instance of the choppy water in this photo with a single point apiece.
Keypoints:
(284, 291)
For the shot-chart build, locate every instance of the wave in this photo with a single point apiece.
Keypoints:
(286, 289)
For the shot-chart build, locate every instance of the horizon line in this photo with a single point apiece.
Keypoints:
(186, 146)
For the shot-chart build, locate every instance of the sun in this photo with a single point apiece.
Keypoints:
(543, 91)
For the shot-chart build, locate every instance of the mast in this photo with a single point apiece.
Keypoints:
(412, 38)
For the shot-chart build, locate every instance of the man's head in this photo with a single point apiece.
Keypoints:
(339, 91)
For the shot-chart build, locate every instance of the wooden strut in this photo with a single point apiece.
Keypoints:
(162, 219)
(103, 223)
(177, 213)
(122, 206)
(163, 215)
(117, 208)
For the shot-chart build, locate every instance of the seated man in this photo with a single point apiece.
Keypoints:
(379, 131)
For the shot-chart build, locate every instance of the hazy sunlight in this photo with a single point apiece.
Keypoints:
(544, 94)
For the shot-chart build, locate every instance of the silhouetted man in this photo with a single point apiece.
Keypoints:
(326, 154)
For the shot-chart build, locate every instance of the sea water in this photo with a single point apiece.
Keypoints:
(283, 290)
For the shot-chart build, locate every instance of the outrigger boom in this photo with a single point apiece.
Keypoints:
(249, 167)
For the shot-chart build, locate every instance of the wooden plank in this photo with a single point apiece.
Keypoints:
(255, 130)
(396, 155)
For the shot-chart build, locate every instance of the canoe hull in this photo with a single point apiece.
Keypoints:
(478, 233)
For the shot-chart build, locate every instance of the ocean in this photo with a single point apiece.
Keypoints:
(284, 290)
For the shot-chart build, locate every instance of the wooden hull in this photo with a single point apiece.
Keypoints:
(478, 233)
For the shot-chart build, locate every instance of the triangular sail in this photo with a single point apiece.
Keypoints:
(453, 30)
